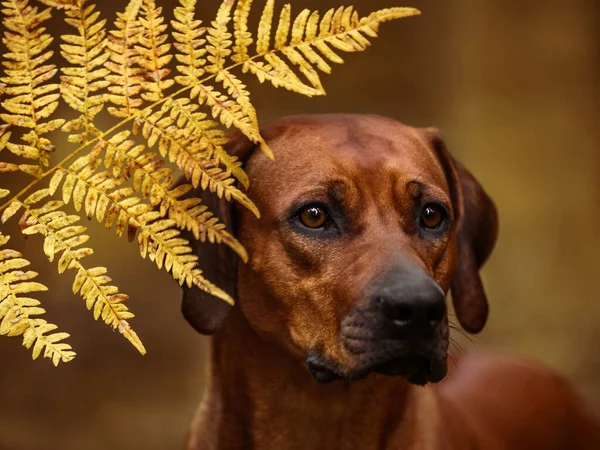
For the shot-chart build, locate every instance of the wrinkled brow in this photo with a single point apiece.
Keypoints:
(334, 192)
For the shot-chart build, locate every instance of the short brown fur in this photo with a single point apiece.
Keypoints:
(300, 295)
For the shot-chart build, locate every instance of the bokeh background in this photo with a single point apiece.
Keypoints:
(514, 86)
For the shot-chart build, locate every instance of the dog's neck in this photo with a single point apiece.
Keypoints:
(259, 396)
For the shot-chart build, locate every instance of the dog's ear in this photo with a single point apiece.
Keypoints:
(477, 229)
(218, 262)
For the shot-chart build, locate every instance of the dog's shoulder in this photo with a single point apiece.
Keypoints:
(519, 399)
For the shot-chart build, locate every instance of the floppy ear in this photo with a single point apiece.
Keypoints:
(217, 261)
(477, 229)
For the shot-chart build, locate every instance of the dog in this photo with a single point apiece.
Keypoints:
(339, 337)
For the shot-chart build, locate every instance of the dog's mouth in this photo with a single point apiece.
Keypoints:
(417, 369)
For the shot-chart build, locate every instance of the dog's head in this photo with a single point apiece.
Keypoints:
(365, 226)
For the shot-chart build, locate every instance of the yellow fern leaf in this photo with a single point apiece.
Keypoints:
(62, 235)
(12, 209)
(21, 150)
(191, 215)
(307, 43)
(205, 137)
(264, 28)
(104, 197)
(153, 53)
(30, 98)
(229, 113)
(243, 38)
(17, 313)
(162, 243)
(219, 38)
(219, 49)
(87, 76)
(189, 43)
(279, 75)
(126, 79)
(184, 147)
(283, 28)
(34, 171)
(237, 90)
(153, 181)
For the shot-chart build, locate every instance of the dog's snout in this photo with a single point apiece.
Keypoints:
(412, 301)
(427, 308)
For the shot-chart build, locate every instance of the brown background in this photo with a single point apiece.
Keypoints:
(513, 85)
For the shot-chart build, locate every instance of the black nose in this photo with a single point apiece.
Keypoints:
(412, 301)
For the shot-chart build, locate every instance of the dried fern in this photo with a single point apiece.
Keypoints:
(31, 99)
(124, 180)
(17, 313)
(80, 82)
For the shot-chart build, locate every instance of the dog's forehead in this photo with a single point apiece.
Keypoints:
(312, 148)
(366, 138)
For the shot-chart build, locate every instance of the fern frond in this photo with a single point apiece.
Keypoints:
(307, 43)
(153, 53)
(20, 150)
(230, 113)
(87, 76)
(17, 313)
(219, 39)
(243, 38)
(62, 235)
(30, 98)
(264, 28)
(273, 69)
(189, 43)
(161, 241)
(128, 67)
(111, 204)
(183, 145)
(205, 136)
(237, 90)
(154, 181)
(29, 169)
(126, 79)
(235, 110)
(279, 74)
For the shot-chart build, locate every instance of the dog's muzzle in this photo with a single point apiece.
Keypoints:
(401, 330)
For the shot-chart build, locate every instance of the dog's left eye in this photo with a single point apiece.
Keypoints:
(432, 215)
(313, 216)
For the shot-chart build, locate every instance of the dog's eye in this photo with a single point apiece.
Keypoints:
(432, 215)
(313, 216)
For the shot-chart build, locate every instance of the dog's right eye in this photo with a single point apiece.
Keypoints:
(313, 216)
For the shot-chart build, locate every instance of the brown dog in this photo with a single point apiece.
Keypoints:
(366, 225)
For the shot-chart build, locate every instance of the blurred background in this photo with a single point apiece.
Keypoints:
(514, 87)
